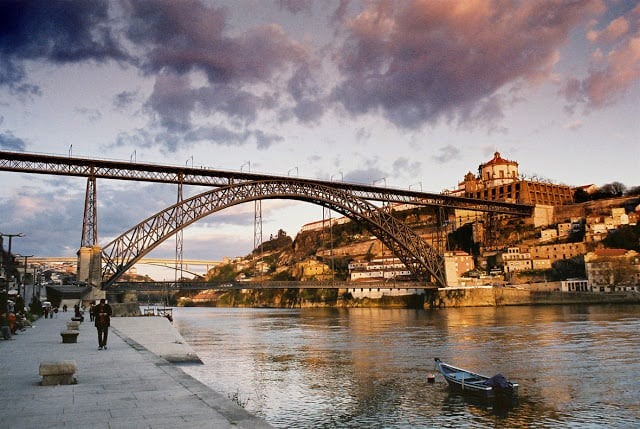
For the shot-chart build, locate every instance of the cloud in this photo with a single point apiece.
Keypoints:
(92, 115)
(124, 99)
(57, 31)
(423, 61)
(51, 220)
(614, 66)
(574, 125)
(405, 167)
(366, 176)
(296, 6)
(9, 142)
(446, 154)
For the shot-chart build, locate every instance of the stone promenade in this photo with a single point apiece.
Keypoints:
(126, 386)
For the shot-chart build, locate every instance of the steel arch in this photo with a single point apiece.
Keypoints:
(420, 258)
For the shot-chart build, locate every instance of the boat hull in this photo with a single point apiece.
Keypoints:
(476, 384)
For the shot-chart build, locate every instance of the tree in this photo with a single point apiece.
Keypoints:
(624, 237)
(580, 196)
(634, 190)
(568, 268)
(615, 189)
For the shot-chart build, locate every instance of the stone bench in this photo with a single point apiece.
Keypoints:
(69, 336)
(55, 373)
(73, 325)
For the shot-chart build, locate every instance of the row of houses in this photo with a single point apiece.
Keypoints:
(608, 270)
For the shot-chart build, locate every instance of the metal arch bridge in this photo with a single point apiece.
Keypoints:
(419, 257)
(351, 200)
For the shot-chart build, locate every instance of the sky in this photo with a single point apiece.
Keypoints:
(402, 94)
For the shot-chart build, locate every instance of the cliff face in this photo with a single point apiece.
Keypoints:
(295, 298)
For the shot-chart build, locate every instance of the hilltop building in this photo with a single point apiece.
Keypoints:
(499, 180)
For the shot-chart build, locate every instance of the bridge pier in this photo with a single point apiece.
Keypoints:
(90, 265)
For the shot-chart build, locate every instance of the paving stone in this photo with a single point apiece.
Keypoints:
(125, 386)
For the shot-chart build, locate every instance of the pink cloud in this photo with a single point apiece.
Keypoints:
(423, 60)
(615, 63)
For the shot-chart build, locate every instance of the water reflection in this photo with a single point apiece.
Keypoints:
(333, 368)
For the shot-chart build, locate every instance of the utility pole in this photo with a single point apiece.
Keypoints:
(24, 278)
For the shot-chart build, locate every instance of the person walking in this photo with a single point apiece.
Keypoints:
(102, 313)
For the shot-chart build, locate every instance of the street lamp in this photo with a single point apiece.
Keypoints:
(24, 279)
(9, 264)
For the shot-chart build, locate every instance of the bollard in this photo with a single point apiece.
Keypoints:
(55, 373)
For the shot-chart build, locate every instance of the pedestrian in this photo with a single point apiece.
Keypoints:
(91, 308)
(64, 308)
(102, 313)
(4, 326)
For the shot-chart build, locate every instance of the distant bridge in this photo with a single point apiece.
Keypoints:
(170, 263)
(104, 265)
(167, 263)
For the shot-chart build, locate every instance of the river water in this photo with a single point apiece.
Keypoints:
(577, 366)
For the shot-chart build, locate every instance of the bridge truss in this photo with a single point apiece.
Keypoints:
(232, 188)
(103, 169)
(419, 257)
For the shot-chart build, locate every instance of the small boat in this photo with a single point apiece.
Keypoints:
(470, 382)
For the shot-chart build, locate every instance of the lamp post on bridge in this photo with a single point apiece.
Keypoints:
(418, 183)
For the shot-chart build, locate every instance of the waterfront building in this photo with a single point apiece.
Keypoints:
(456, 264)
(379, 270)
(575, 285)
(613, 270)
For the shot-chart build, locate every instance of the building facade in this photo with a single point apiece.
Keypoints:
(613, 270)
(499, 180)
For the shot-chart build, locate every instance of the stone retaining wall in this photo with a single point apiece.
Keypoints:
(491, 297)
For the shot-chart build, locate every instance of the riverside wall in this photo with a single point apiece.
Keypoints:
(502, 296)
(482, 296)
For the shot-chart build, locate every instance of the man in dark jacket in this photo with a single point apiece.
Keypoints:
(102, 316)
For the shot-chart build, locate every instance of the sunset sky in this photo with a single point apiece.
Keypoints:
(398, 93)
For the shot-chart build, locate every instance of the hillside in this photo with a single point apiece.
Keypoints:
(316, 254)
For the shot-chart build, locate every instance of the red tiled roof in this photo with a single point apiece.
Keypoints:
(610, 252)
(497, 159)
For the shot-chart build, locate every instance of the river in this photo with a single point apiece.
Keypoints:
(577, 366)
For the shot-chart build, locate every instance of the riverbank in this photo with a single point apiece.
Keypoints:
(508, 296)
(125, 386)
(480, 296)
